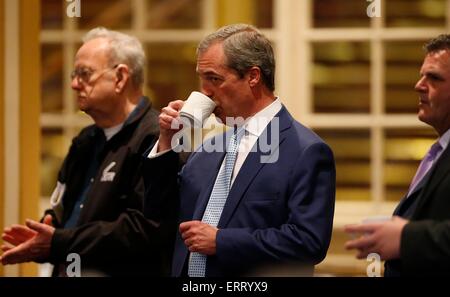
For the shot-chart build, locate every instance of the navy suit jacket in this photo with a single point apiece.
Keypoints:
(276, 213)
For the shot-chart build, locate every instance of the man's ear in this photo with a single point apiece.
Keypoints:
(254, 76)
(122, 77)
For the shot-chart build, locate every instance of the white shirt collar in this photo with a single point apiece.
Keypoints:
(444, 139)
(257, 123)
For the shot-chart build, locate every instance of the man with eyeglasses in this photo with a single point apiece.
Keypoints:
(98, 202)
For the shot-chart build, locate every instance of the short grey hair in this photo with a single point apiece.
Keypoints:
(244, 47)
(124, 49)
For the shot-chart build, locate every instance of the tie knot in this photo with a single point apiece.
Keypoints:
(435, 149)
(238, 133)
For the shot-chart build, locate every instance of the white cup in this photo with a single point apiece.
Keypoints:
(370, 220)
(376, 219)
(196, 109)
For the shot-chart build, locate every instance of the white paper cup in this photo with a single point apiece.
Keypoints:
(196, 109)
(369, 220)
(376, 219)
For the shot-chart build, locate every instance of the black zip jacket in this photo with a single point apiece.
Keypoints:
(112, 236)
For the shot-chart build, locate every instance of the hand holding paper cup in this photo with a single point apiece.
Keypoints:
(369, 220)
(196, 109)
(376, 219)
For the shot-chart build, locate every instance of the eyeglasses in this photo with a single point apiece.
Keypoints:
(84, 75)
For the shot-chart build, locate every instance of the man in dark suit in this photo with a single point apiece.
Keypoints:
(417, 240)
(273, 213)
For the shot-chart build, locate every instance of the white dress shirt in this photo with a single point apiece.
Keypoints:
(254, 127)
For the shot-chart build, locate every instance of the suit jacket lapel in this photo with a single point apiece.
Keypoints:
(215, 159)
(421, 183)
(252, 165)
(407, 201)
(437, 173)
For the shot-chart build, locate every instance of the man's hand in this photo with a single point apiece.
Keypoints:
(199, 237)
(167, 122)
(29, 243)
(381, 238)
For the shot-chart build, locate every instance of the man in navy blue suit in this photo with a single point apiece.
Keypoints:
(245, 209)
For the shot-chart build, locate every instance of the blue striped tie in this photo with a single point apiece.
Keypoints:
(219, 194)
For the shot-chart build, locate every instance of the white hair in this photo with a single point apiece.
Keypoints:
(124, 49)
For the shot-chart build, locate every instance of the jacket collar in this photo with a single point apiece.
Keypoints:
(436, 174)
(138, 112)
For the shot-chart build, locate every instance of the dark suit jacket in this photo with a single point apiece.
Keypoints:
(276, 213)
(425, 242)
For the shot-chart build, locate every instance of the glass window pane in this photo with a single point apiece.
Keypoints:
(52, 156)
(341, 77)
(403, 63)
(52, 12)
(174, 14)
(112, 14)
(264, 13)
(351, 150)
(52, 78)
(415, 13)
(255, 12)
(340, 13)
(171, 72)
(403, 151)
